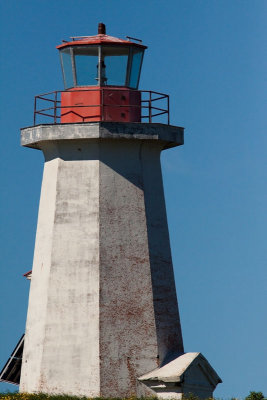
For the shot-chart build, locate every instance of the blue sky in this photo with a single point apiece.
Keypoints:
(210, 57)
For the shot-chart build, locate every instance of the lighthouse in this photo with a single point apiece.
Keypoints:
(103, 316)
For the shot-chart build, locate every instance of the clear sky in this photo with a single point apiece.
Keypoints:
(210, 57)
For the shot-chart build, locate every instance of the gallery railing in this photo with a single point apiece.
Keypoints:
(48, 107)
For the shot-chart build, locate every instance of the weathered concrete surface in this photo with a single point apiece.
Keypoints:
(139, 320)
(102, 306)
(170, 135)
(61, 352)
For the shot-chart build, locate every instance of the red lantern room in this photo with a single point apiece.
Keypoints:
(101, 76)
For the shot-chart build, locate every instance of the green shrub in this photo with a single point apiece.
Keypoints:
(255, 396)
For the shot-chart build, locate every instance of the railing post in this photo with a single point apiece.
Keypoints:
(55, 108)
(149, 108)
(141, 108)
(34, 113)
(168, 105)
(102, 104)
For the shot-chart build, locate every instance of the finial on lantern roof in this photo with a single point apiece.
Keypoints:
(101, 28)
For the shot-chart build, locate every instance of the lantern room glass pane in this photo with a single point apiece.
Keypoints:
(115, 61)
(86, 65)
(136, 68)
(67, 68)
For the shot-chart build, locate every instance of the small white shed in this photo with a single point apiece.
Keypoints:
(189, 373)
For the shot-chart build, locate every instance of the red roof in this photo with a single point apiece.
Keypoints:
(99, 39)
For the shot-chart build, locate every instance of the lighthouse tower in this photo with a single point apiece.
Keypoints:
(103, 317)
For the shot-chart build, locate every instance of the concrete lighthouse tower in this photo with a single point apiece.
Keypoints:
(103, 317)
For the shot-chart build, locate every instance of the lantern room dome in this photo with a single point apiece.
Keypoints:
(98, 39)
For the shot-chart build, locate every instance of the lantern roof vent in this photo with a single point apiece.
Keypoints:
(135, 39)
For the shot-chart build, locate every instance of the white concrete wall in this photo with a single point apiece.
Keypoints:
(169, 334)
(61, 353)
(128, 337)
(102, 306)
(36, 318)
(139, 320)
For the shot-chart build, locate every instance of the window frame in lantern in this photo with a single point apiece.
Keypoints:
(130, 51)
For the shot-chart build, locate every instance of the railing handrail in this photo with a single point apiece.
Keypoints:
(145, 103)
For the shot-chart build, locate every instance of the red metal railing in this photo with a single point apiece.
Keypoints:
(55, 110)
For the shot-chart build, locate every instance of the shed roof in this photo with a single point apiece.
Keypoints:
(12, 369)
(174, 371)
(28, 275)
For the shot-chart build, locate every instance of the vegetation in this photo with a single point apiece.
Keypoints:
(255, 396)
(43, 396)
